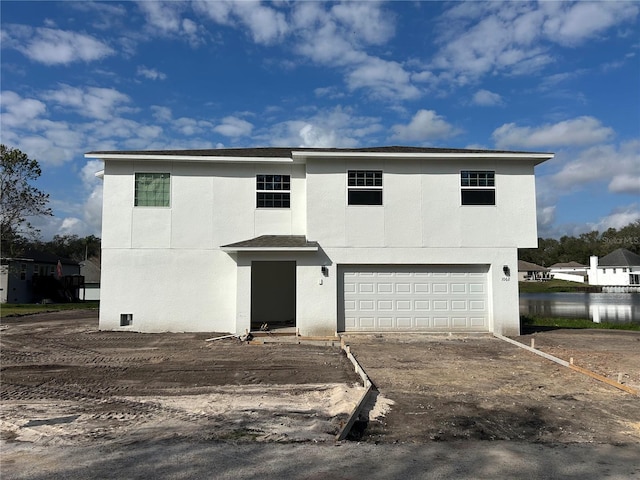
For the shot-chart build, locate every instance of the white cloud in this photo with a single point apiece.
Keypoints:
(336, 127)
(161, 114)
(266, 25)
(164, 16)
(385, 79)
(617, 166)
(234, 127)
(573, 23)
(55, 47)
(618, 218)
(546, 216)
(485, 98)
(190, 126)
(165, 19)
(24, 126)
(426, 125)
(515, 38)
(625, 184)
(366, 20)
(18, 111)
(93, 102)
(150, 73)
(580, 131)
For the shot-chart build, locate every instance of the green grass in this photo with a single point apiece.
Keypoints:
(18, 309)
(554, 286)
(533, 321)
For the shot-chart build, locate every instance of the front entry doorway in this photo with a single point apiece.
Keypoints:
(273, 294)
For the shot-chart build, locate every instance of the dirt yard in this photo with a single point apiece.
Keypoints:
(66, 383)
(482, 388)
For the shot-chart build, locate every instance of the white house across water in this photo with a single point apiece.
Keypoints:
(618, 270)
(388, 239)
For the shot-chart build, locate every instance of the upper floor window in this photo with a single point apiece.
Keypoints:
(478, 187)
(364, 187)
(273, 191)
(152, 190)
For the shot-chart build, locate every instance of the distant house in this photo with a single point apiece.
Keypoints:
(570, 271)
(38, 276)
(530, 272)
(90, 270)
(325, 240)
(621, 268)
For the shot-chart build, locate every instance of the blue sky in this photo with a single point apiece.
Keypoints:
(557, 77)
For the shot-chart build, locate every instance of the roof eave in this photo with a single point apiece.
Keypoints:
(233, 249)
(190, 158)
(538, 157)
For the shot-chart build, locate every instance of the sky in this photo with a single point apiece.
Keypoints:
(558, 77)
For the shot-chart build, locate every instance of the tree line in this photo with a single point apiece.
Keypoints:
(20, 200)
(580, 248)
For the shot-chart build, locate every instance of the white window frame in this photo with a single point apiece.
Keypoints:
(267, 184)
(369, 180)
(471, 180)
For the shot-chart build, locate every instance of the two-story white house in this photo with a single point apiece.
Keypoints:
(620, 268)
(327, 240)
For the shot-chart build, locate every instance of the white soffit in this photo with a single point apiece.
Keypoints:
(538, 157)
(187, 158)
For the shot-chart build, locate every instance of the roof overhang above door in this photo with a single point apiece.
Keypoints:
(273, 243)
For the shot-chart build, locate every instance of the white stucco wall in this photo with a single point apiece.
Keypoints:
(4, 282)
(609, 276)
(421, 206)
(165, 265)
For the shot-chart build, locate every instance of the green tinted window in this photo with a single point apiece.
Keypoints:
(152, 190)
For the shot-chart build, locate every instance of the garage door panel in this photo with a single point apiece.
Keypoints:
(366, 305)
(440, 305)
(423, 322)
(441, 321)
(404, 322)
(403, 305)
(366, 288)
(385, 322)
(419, 297)
(478, 305)
(458, 304)
(385, 305)
(440, 288)
(422, 305)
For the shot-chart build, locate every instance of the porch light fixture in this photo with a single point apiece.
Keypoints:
(325, 270)
(506, 270)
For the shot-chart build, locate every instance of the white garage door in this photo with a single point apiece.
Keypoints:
(416, 297)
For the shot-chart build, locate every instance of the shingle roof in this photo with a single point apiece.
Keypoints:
(90, 269)
(286, 151)
(568, 265)
(44, 257)
(530, 267)
(284, 242)
(620, 258)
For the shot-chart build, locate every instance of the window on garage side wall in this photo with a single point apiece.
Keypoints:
(364, 187)
(478, 187)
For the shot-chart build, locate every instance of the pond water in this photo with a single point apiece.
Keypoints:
(599, 307)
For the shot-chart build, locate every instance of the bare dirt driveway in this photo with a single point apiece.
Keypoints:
(80, 403)
(483, 388)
